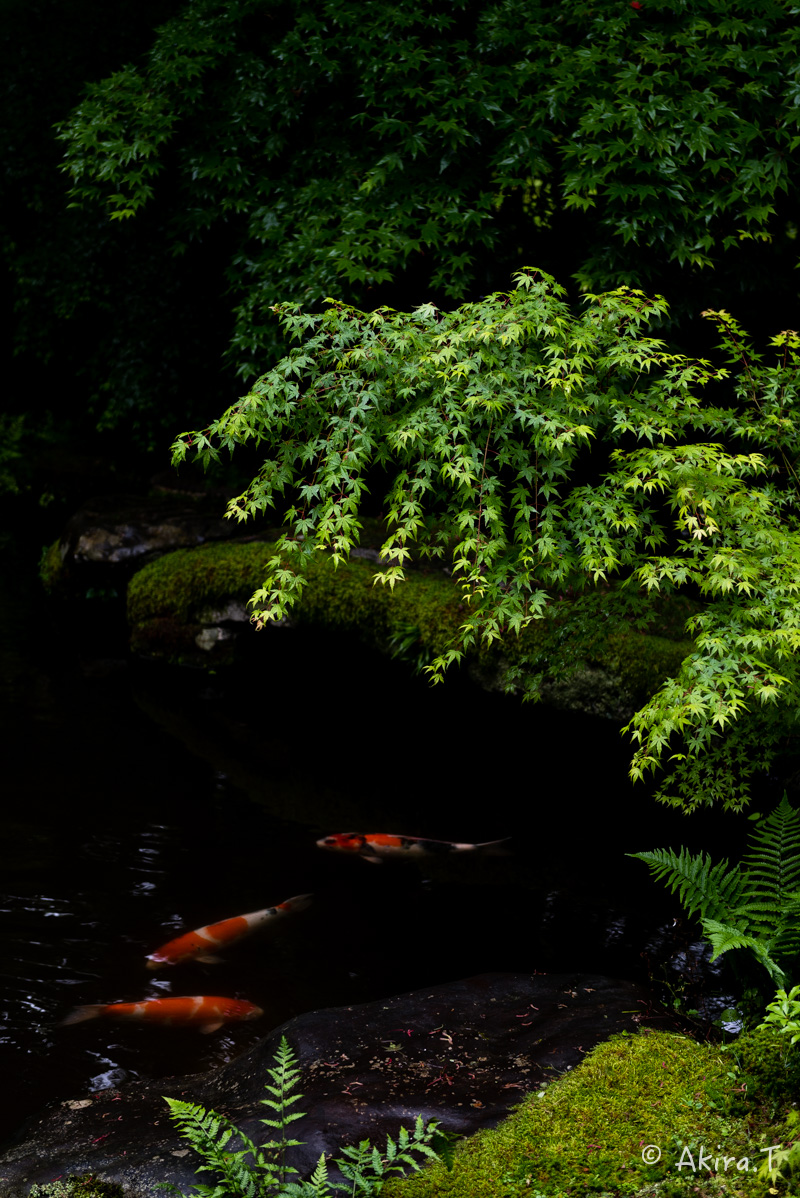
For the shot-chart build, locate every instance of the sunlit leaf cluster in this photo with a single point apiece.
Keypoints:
(562, 467)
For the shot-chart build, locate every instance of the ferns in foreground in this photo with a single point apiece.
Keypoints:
(755, 906)
(265, 1174)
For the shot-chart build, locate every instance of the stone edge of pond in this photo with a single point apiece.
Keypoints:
(464, 1052)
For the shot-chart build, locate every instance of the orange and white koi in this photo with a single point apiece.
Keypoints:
(196, 945)
(205, 1012)
(375, 846)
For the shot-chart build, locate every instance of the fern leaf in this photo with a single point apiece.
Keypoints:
(209, 1133)
(772, 866)
(703, 888)
(723, 938)
(786, 937)
(317, 1186)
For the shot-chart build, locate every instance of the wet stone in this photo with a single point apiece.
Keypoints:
(116, 530)
(464, 1053)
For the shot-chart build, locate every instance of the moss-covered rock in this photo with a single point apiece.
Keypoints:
(621, 1123)
(173, 599)
(768, 1062)
(191, 606)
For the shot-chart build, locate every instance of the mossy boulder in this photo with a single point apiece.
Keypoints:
(632, 1119)
(190, 607)
(174, 600)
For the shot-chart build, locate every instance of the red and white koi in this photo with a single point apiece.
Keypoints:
(205, 1012)
(197, 945)
(376, 846)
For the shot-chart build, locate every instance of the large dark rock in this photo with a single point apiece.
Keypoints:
(463, 1053)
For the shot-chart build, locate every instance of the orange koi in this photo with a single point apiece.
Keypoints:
(375, 846)
(203, 1011)
(195, 946)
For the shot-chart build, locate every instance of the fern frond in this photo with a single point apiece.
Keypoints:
(317, 1185)
(703, 888)
(786, 937)
(209, 1133)
(285, 1077)
(723, 938)
(368, 1170)
(772, 866)
(423, 1134)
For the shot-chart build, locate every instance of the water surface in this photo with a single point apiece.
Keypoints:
(140, 801)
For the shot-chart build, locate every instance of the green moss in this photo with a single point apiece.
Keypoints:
(642, 661)
(425, 606)
(51, 567)
(174, 584)
(417, 620)
(769, 1063)
(586, 1132)
(165, 595)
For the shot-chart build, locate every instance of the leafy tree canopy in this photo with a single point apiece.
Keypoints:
(105, 325)
(395, 152)
(540, 454)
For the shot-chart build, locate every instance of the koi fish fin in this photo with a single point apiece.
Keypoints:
(375, 860)
(208, 959)
(207, 1028)
(493, 847)
(79, 1014)
(299, 902)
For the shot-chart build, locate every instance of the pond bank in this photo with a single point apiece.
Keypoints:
(463, 1053)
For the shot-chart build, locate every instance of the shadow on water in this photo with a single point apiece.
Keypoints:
(141, 801)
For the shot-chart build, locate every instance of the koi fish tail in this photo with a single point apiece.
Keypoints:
(492, 847)
(298, 903)
(79, 1014)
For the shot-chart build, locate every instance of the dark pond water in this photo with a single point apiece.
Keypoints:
(140, 801)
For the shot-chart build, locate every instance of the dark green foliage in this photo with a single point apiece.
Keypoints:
(105, 325)
(405, 151)
(756, 906)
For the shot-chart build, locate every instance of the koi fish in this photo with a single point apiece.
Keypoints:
(194, 946)
(377, 845)
(202, 1011)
